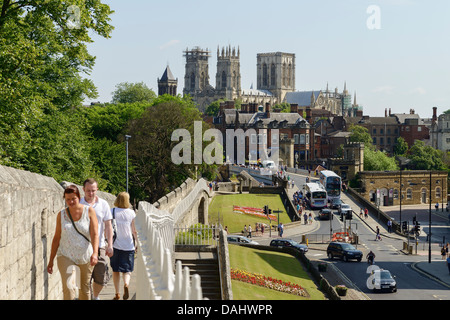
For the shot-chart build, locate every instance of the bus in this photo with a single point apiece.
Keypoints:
(332, 184)
(315, 195)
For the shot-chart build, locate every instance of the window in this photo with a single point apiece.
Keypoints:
(419, 129)
(438, 192)
(295, 138)
(409, 193)
(374, 140)
(302, 139)
(381, 131)
(395, 194)
(374, 131)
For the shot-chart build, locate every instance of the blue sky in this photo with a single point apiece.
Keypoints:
(402, 64)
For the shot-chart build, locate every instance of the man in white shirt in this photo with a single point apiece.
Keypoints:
(100, 275)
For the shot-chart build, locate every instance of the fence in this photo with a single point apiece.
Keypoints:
(155, 278)
(197, 235)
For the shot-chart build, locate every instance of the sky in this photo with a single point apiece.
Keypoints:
(392, 53)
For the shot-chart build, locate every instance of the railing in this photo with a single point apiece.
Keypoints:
(156, 279)
(197, 235)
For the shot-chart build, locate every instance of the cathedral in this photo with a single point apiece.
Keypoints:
(275, 83)
(276, 76)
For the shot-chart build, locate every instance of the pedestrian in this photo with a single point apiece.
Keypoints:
(305, 217)
(310, 218)
(366, 213)
(446, 249)
(100, 275)
(377, 237)
(262, 229)
(280, 229)
(245, 230)
(249, 231)
(389, 225)
(437, 206)
(75, 243)
(122, 261)
(361, 212)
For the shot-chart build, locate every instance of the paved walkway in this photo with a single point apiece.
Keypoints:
(109, 291)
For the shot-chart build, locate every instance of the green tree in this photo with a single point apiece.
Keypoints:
(214, 108)
(426, 157)
(43, 56)
(375, 160)
(361, 134)
(132, 92)
(150, 148)
(400, 147)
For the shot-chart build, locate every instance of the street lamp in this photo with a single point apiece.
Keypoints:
(126, 139)
(429, 226)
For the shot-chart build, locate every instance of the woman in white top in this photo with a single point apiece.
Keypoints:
(75, 243)
(122, 260)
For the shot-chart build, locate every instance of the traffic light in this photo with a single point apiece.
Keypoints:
(404, 226)
(270, 211)
(342, 216)
(266, 210)
(417, 227)
(349, 215)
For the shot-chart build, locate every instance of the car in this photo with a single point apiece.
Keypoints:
(335, 203)
(236, 239)
(288, 243)
(383, 280)
(346, 210)
(325, 214)
(344, 251)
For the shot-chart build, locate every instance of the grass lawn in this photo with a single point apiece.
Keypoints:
(272, 264)
(223, 205)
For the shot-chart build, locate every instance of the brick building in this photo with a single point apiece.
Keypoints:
(414, 186)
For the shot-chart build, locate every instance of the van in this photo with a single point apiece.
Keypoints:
(269, 164)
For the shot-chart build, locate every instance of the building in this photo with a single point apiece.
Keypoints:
(167, 84)
(289, 133)
(414, 185)
(440, 131)
(336, 103)
(277, 80)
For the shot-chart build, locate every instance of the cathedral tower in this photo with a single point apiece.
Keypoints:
(228, 76)
(197, 70)
(276, 73)
(167, 84)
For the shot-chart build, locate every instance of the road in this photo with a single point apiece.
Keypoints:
(412, 285)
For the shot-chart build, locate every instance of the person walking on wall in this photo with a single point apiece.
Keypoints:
(75, 243)
(100, 275)
(122, 261)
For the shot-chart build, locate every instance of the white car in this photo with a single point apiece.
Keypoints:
(383, 280)
(236, 239)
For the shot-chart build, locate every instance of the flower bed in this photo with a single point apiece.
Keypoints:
(268, 282)
(258, 212)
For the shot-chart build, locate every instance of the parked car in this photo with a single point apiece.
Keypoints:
(288, 243)
(325, 214)
(236, 239)
(383, 280)
(335, 203)
(344, 251)
(346, 210)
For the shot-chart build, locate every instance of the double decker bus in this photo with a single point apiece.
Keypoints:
(315, 195)
(332, 184)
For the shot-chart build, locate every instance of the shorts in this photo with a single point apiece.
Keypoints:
(100, 275)
(122, 261)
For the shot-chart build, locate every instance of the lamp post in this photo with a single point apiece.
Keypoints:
(429, 226)
(126, 140)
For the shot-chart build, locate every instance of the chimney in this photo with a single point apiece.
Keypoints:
(267, 109)
(389, 112)
(385, 112)
(294, 108)
(434, 119)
